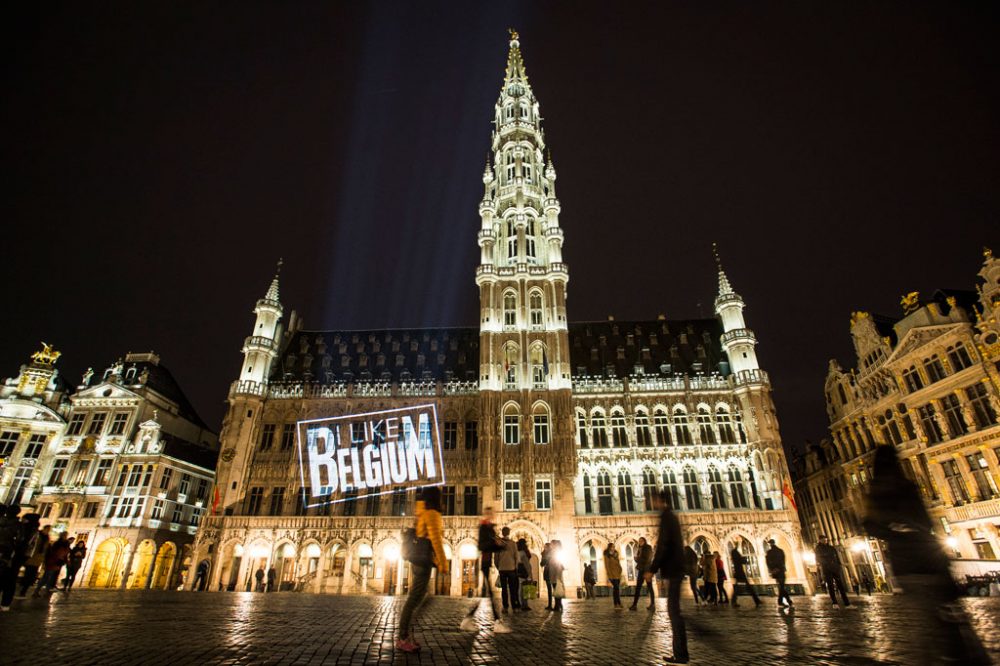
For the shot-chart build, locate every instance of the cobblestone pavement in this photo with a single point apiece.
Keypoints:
(108, 627)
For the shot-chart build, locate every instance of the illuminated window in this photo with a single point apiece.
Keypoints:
(118, 424)
(450, 442)
(509, 310)
(661, 424)
(529, 234)
(103, 474)
(600, 430)
(642, 433)
(543, 494)
(58, 471)
(692, 492)
(726, 433)
(705, 429)
(626, 494)
(535, 308)
(511, 426)
(540, 422)
(619, 435)
(681, 429)
(97, 423)
(512, 495)
(581, 429)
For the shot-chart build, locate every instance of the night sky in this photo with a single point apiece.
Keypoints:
(160, 157)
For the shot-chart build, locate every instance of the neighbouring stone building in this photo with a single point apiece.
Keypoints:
(927, 384)
(565, 429)
(121, 461)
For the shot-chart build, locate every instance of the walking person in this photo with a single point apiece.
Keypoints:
(555, 572)
(36, 544)
(669, 563)
(866, 582)
(775, 560)
(720, 574)
(740, 576)
(523, 571)
(613, 567)
(643, 558)
(430, 528)
(272, 575)
(259, 576)
(832, 572)
(76, 555)
(55, 557)
(589, 580)
(691, 566)
(488, 544)
(711, 575)
(506, 561)
(896, 514)
(546, 552)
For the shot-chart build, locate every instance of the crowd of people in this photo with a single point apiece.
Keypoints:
(29, 551)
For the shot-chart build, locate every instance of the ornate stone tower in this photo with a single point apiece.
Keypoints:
(524, 373)
(246, 399)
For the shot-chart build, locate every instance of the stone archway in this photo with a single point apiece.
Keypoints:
(163, 567)
(142, 564)
(108, 563)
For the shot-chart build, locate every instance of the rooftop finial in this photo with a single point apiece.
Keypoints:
(715, 253)
(724, 286)
(272, 291)
(277, 272)
(513, 36)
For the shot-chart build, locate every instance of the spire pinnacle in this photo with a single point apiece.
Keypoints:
(724, 286)
(272, 291)
(515, 64)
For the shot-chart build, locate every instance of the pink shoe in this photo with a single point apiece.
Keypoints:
(407, 645)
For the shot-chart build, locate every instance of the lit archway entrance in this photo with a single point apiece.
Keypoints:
(469, 554)
(142, 565)
(285, 573)
(109, 560)
(164, 566)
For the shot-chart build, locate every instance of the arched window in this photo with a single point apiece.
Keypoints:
(626, 496)
(529, 234)
(629, 559)
(750, 565)
(648, 489)
(619, 435)
(959, 358)
(661, 422)
(539, 371)
(692, 492)
(581, 429)
(701, 546)
(511, 425)
(508, 112)
(705, 430)
(535, 309)
(934, 369)
(718, 488)
(523, 110)
(510, 363)
(589, 553)
(681, 430)
(726, 433)
(540, 424)
(912, 379)
(673, 490)
(588, 498)
(598, 425)
(604, 493)
(738, 420)
(509, 310)
(642, 433)
(737, 490)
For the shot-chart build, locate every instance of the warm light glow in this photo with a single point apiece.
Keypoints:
(364, 550)
(560, 557)
(952, 542)
(859, 546)
(809, 557)
(259, 551)
(392, 554)
(288, 550)
(447, 552)
(312, 550)
(468, 551)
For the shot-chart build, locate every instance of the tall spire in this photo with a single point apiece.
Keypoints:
(272, 291)
(724, 287)
(515, 63)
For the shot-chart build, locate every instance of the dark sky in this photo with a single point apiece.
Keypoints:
(160, 157)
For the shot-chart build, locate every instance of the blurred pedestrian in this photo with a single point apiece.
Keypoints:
(272, 576)
(589, 580)
(613, 568)
(556, 569)
(36, 543)
(506, 563)
(710, 572)
(56, 556)
(831, 569)
(488, 544)
(896, 514)
(259, 576)
(76, 555)
(10, 533)
(669, 563)
(429, 528)
(740, 576)
(775, 560)
(720, 570)
(866, 582)
(523, 571)
(643, 558)
(546, 551)
(691, 565)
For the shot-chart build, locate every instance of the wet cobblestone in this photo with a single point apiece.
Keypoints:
(103, 627)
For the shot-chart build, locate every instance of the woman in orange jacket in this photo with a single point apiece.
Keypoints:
(429, 526)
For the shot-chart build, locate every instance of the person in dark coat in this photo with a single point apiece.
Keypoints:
(259, 576)
(76, 556)
(669, 563)
(589, 581)
(35, 544)
(488, 544)
(832, 572)
(775, 560)
(10, 533)
(896, 514)
(56, 556)
(691, 564)
(643, 558)
(271, 576)
(740, 576)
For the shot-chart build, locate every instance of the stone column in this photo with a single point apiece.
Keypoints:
(152, 566)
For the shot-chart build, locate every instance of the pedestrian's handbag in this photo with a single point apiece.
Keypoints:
(417, 550)
(560, 591)
(530, 590)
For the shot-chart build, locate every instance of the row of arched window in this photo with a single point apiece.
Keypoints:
(728, 488)
(662, 430)
(536, 309)
(933, 369)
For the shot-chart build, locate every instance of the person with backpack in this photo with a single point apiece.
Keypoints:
(428, 552)
(523, 570)
(488, 544)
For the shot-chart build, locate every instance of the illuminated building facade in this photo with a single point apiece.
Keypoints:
(564, 429)
(926, 383)
(121, 461)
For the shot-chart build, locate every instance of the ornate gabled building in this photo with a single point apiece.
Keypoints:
(927, 384)
(122, 462)
(564, 429)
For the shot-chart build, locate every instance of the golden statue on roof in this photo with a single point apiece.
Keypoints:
(987, 253)
(910, 302)
(47, 355)
(513, 34)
